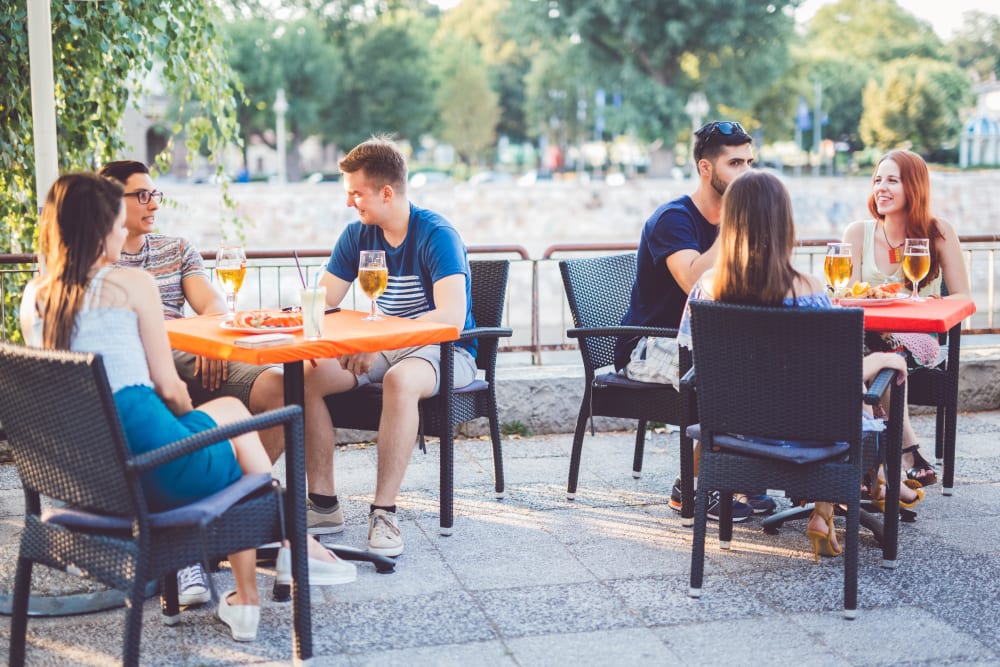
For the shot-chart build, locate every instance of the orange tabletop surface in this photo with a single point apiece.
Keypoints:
(930, 316)
(344, 333)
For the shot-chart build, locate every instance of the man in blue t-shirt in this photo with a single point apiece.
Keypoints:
(679, 242)
(429, 279)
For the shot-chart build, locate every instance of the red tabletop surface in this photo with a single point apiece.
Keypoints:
(344, 333)
(929, 316)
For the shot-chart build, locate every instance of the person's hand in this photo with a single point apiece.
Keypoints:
(876, 361)
(359, 364)
(213, 372)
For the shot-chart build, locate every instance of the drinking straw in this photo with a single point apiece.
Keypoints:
(302, 278)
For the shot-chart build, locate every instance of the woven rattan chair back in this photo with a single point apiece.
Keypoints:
(64, 429)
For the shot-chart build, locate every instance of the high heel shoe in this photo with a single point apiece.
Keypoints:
(922, 471)
(877, 494)
(822, 543)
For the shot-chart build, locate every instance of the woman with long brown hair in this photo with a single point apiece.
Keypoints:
(754, 267)
(900, 206)
(82, 302)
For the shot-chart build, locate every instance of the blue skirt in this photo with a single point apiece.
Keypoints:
(149, 424)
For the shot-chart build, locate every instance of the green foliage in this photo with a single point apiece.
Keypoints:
(384, 88)
(296, 56)
(730, 51)
(872, 32)
(977, 45)
(916, 105)
(469, 109)
(102, 53)
(514, 428)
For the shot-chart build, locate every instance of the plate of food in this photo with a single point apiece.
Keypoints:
(261, 322)
(863, 294)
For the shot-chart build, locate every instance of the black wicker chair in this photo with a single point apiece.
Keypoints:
(69, 447)
(598, 291)
(439, 415)
(785, 374)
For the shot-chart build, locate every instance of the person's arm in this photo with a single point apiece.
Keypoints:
(144, 298)
(688, 265)
(28, 315)
(449, 301)
(952, 263)
(202, 296)
(855, 235)
(336, 288)
(876, 361)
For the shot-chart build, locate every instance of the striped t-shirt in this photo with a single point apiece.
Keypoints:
(170, 259)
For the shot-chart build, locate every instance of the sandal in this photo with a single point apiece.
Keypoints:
(824, 544)
(922, 471)
(878, 491)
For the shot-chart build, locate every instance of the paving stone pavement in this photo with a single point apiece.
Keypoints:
(535, 579)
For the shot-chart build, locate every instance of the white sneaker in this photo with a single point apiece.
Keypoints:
(384, 537)
(241, 619)
(321, 572)
(191, 587)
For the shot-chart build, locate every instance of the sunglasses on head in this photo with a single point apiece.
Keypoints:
(723, 127)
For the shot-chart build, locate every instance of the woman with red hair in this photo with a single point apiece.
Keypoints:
(900, 206)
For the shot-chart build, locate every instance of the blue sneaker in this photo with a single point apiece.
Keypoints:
(760, 504)
(741, 511)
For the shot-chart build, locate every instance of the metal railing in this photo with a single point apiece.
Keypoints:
(536, 304)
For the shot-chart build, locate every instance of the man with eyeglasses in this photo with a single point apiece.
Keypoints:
(181, 277)
(679, 242)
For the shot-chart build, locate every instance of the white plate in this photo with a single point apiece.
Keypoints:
(873, 302)
(229, 326)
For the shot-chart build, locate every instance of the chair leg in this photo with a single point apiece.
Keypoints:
(687, 479)
(19, 611)
(302, 643)
(575, 454)
(939, 423)
(169, 607)
(447, 481)
(851, 561)
(640, 446)
(698, 545)
(499, 486)
(133, 619)
(725, 519)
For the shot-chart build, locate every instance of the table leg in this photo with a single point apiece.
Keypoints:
(295, 395)
(951, 410)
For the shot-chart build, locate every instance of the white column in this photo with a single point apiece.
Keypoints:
(43, 97)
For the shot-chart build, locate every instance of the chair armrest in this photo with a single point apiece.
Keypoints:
(174, 450)
(689, 381)
(486, 332)
(590, 332)
(880, 385)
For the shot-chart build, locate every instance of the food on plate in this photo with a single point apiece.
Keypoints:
(257, 319)
(862, 290)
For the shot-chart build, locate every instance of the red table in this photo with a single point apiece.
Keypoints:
(934, 316)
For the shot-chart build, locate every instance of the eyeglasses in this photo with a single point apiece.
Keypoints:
(723, 127)
(145, 195)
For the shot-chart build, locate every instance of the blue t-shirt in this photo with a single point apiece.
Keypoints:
(432, 250)
(657, 300)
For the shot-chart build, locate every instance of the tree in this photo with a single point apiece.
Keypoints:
(469, 109)
(916, 105)
(730, 51)
(295, 56)
(977, 45)
(387, 84)
(871, 31)
(102, 53)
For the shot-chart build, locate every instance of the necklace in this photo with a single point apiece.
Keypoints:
(895, 254)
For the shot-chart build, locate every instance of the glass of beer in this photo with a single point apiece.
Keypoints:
(837, 267)
(231, 268)
(374, 277)
(916, 263)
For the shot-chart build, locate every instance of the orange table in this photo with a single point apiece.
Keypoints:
(344, 333)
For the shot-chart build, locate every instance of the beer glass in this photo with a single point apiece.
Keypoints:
(373, 275)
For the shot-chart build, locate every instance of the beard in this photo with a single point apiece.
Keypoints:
(718, 184)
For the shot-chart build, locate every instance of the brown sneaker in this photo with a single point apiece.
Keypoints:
(383, 534)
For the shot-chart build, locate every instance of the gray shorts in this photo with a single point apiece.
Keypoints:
(238, 384)
(465, 365)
